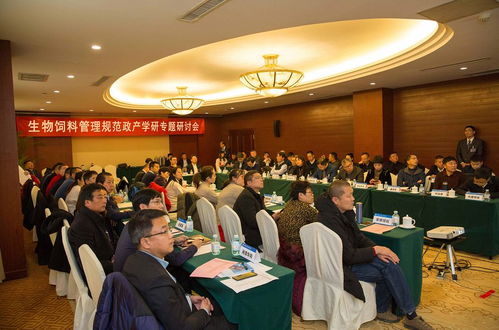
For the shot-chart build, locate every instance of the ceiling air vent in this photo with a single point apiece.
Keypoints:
(32, 76)
(474, 61)
(457, 9)
(201, 9)
(100, 80)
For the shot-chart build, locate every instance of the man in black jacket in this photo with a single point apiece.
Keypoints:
(146, 271)
(481, 181)
(469, 147)
(364, 260)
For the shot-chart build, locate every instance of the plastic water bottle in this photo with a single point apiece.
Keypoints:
(274, 197)
(189, 224)
(215, 245)
(486, 195)
(385, 186)
(421, 189)
(236, 244)
(445, 186)
(396, 218)
(354, 183)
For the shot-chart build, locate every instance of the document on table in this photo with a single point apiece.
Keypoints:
(125, 205)
(205, 249)
(377, 229)
(249, 283)
(212, 268)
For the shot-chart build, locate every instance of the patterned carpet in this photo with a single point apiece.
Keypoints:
(31, 303)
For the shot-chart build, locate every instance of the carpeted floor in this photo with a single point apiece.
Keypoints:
(31, 303)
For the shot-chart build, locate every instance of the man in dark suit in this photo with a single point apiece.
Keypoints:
(146, 271)
(194, 166)
(91, 227)
(468, 147)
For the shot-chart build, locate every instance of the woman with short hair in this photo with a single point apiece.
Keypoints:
(174, 187)
(203, 181)
(232, 188)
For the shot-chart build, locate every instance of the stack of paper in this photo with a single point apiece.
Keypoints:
(212, 268)
(377, 229)
(249, 283)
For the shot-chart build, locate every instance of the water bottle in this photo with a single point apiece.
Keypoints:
(421, 189)
(385, 186)
(354, 183)
(396, 218)
(358, 212)
(445, 186)
(235, 245)
(486, 195)
(189, 225)
(215, 245)
(274, 197)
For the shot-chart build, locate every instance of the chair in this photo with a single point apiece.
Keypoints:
(72, 287)
(96, 168)
(34, 195)
(207, 216)
(53, 236)
(427, 183)
(57, 278)
(85, 308)
(94, 273)
(365, 176)
(61, 203)
(394, 179)
(270, 237)
(324, 297)
(231, 224)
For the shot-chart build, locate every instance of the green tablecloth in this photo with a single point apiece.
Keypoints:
(408, 245)
(263, 307)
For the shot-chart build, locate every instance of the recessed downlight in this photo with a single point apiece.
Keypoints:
(42, 109)
(48, 102)
(372, 84)
(96, 47)
(56, 91)
(463, 68)
(91, 110)
(70, 76)
(311, 94)
(134, 111)
(266, 102)
(232, 108)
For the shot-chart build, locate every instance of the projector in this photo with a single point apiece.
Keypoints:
(445, 232)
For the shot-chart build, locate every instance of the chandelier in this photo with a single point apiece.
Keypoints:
(271, 80)
(182, 104)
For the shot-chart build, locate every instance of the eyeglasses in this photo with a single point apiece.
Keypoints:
(160, 233)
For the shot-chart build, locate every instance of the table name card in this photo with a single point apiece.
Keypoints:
(292, 177)
(248, 252)
(439, 193)
(312, 180)
(360, 185)
(394, 189)
(181, 224)
(383, 219)
(474, 196)
(275, 176)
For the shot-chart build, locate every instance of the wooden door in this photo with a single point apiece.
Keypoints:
(241, 140)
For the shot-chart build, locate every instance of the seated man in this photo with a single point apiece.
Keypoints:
(193, 166)
(437, 167)
(393, 165)
(280, 166)
(411, 175)
(334, 162)
(299, 167)
(365, 163)
(140, 174)
(56, 180)
(146, 271)
(91, 227)
(151, 175)
(450, 178)
(184, 162)
(364, 260)
(482, 180)
(311, 161)
(247, 206)
(147, 199)
(377, 174)
(112, 210)
(239, 163)
(324, 170)
(349, 171)
(62, 191)
(251, 164)
(476, 162)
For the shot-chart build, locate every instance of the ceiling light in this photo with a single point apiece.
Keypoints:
(372, 84)
(70, 76)
(206, 113)
(266, 102)
(271, 80)
(57, 92)
(42, 109)
(232, 108)
(463, 68)
(96, 47)
(48, 102)
(91, 110)
(182, 104)
(311, 94)
(134, 111)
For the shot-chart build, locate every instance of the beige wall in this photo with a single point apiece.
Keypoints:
(114, 150)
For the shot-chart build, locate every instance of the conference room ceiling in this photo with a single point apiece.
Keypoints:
(53, 38)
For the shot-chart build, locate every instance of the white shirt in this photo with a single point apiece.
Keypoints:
(281, 171)
(174, 189)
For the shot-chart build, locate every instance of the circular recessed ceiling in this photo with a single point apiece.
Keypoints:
(326, 53)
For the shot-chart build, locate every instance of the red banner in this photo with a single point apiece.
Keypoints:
(66, 126)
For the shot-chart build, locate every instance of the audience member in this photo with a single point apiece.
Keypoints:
(74, 192)
(112, 210)
(468, 147)
(349, 156)
(184, 161)
(267, 161)
(203, 181)
(89, 177)
(377, 174)
(173, 162)
(91, 227)
(63, 189)
(297, 213)
(364, 260)
(411, 175)
(324, 170)
(437, 167)
(393, 165)
(300, 169)
(174, 187)
(280, 166)
(481, 181)
(224, 149)
(29, 165)
(151, 175)
(147, 271)
(163, 176)
(349, 171)
(450, 178)
(220, 162)
(140, 174)
(365, 163)
(56, 180)
(311, 161)
(239, 164)
(334, 162)
(232, 189)
(251, 164)
(476, 162)
(254, 154)
(247, 206)
(193, 166)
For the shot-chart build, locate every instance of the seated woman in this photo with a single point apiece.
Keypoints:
(202, 181)
(74, 191)
(231, 189)
(297, 213)
(301, 168)
(174, 187)
(163, 176)
(220, 162)
(267, 161)
(378, 174)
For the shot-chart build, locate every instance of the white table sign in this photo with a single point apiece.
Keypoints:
(360, 185)
(439, 193)
(394, 189)
(291, 177)
(249, 252)
(181, 224)
(275, 176)
(474, 196)
(383, 219)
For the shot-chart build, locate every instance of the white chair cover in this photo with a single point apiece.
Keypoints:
(57, 278)
(61, 203)
(365, 176)
(34, 194)
(323, 296)
(231, 224)
(270, 236)
(94, 272)
(96, 168)
(394, 179)
(72, 287)
(111, 169)
(207, 216)
(85, 308)
(427, 183)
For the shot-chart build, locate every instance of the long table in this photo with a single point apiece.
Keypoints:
(263, 307)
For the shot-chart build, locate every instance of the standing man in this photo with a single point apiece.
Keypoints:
(468, 147)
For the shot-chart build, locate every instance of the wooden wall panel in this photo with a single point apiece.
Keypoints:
(46, 151)
(184, 143)
(430, 119)
(321, 126)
